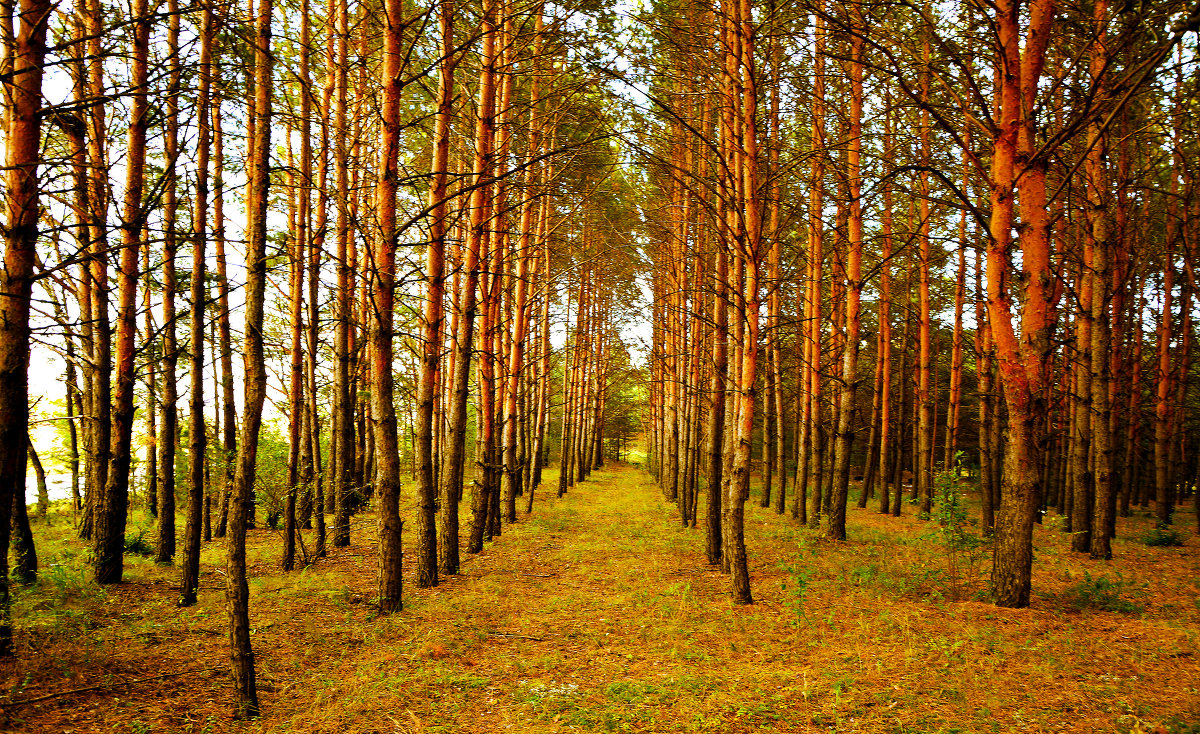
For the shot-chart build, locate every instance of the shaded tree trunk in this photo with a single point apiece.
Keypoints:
(197, 430)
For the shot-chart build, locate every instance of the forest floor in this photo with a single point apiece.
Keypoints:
(598, 613)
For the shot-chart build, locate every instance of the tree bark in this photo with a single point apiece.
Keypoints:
(168, 437)
(431, 344)
(237, 592)
(836, 527)
(23, 90)
(197, 429)
(383, 408)
(110, 522)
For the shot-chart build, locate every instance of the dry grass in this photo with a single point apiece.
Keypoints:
(598, 613)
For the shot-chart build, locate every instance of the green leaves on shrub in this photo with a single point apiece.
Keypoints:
(1099, 592)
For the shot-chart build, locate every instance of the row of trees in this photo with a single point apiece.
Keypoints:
(423, 198)
(832, 179)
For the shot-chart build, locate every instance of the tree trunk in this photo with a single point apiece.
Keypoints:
(110, 522)
(25, 560)
(237, 592)
(343, 407)
(431, 344)
(480, 215)
(197, 429)
(1023, 359)
(923, 447)
(23, 90)
(168, 437)
(383, 408)
(716, 410)
(224, 331)
(836, 528)
(39, 473)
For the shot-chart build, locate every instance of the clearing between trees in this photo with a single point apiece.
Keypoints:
(598, 613)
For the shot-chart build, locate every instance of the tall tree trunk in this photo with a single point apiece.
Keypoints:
(383, 408)
(1023, 358)
(954, 404)
(168, 437)
(224, 331)
(151, 362)
(884, 348)
(100, 364)
(836, 528)
(480, 206)
(923, 449)
(197, 430)
(23, 90)
(237, 591)
(1163, 504)
(521, 306)
(110, 522)
(1104, 509)
(431, 343)
(1082, 434)
(816, 235)
(298, 257)
(343, 407)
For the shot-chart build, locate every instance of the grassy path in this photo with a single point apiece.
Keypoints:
(598, 613)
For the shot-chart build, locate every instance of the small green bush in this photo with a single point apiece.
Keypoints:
(1099, 592)
(138, 545)
(1162, 536)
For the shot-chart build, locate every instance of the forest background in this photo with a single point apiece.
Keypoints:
(947, 251)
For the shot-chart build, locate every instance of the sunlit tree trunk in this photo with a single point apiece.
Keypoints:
(1023, 359)
(810, 375)
(343, 407)
(884, 344)
(923, 449)
(23, 91)
(1104, 508)
(521, 308)
(151, 368)
(298, 257)
(1163, 502)
(99, 402)
(383, 408)
(435, 276)
(836, 527)
(1081, 405)
(237, 592)
(954, 405)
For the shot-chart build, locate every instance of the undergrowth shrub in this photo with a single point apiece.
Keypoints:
(964, 548)
(138, 545)
(1163, 537)
(795, 586)
(1099, 592)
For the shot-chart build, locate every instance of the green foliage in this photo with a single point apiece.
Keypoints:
(270, 485)
(796, 586)
(65, 578)
(965, 550)
(1099, 592)
(138, 545)
(1163, 537)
